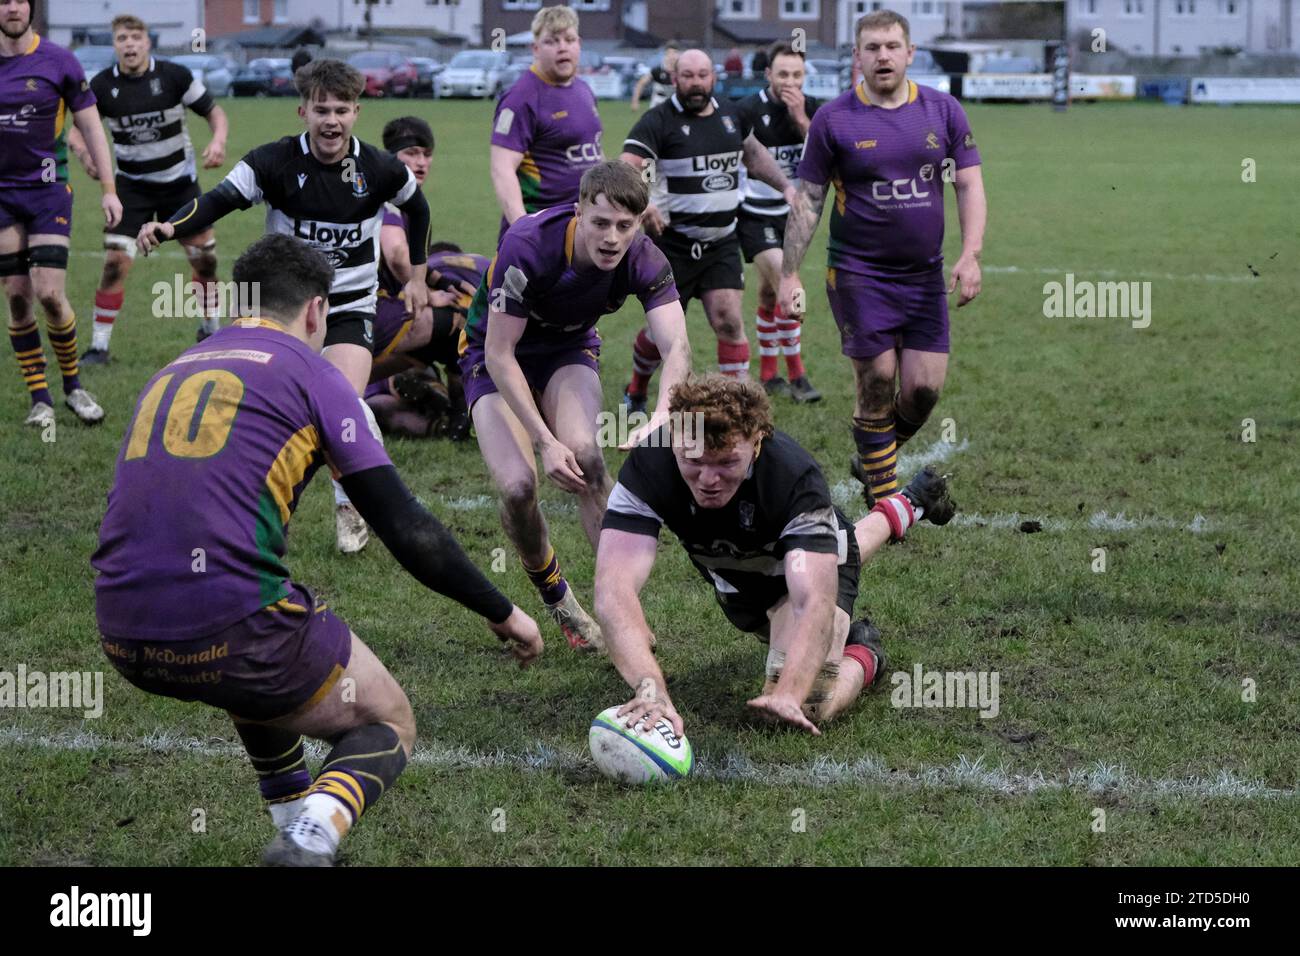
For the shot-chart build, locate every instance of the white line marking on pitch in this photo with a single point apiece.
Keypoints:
(964, 773)
(1122, 274)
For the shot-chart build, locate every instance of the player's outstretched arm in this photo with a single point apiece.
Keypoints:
(972, 213)
(432, 555)
(623, 564)
(503, 164)
(91, 129)
(214, 154)
(804, 216)
(760, 164)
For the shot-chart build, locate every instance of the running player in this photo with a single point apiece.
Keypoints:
(144, 102)
(756, 519)
(888, 145)
(193, 598)
(780, 116)
(40, 85)
(532, 332)
(659, 79)
(692, 147)
(546, 132)
(329, 188)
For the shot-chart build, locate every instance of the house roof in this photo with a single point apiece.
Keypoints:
(285, 37)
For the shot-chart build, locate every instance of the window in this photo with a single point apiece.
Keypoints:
(1088, 7)
(252, 11)
(281, 13)
(741, 9)
(522, 5)
(925, 8)
(1184, 8)
(1134, 8)
(801, 9)
(590, 5)
(1229, 8)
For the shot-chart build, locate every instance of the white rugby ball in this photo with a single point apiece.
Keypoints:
(637, 754)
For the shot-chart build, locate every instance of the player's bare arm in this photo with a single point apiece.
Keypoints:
(760, 164)
(652, 219)
(416, 291)
(92, 132)
(638, 90)
(799, 229)
(214, 154)
(504, 165)
(396, 252)
(623, 564)
(668, 327)
(972, 213)
(78, 147)
(558, 461)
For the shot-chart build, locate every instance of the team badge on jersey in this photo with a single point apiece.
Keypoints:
(359, 184)
(114, 92)
(767, 120)
(31, 86)
(686, 129)
(746, 514)
(155, 86)
(505, 120)
(728, 125)
(931, 141)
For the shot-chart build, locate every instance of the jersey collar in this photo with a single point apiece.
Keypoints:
(861, 90)
(253, 322)
(353, 150)
(569, 232)
(677, 104)
(148, 69)
(36, 41)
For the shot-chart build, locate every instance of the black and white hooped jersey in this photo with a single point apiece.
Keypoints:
(337, 208)
(146, 119)
(783, 504)
(773, 128)
(697, 162)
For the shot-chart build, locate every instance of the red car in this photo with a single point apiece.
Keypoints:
(386, 73)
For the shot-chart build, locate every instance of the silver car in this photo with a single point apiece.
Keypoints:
(210, 70)
(478, 73)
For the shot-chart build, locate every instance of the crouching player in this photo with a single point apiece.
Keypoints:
(193, 597)
(755, 515)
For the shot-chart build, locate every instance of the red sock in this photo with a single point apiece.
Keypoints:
(898, 512)
(769, 346)
(789, 330)
(645, 359)
(864, 657)
(107, 305)
(733, 358)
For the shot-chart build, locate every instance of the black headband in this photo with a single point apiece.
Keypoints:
(407, 140)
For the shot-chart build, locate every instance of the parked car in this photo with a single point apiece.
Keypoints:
(210, 70)
(387, 73)
(519, 65)
(425, 71)
(94, 59)
(477, 73)
(265, 76)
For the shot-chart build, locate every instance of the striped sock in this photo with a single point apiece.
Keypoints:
(878, 452)
(64, 340)
(26, 340)
(211, 299)
(364, 763)
(769, 345)
(789, 333)
(733, 359)
(645, 360)
(548, 580)
(107, 305)
(900, 513)
(867, 658)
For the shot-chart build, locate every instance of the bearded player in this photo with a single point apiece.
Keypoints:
(755, 516)
(40, 85)
(530, 358)
(193, 598)
(887, 146)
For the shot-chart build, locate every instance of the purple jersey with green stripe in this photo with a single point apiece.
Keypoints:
(533, 277)
(557, 128)
(887, 167)
(39, 90)
(222, 443)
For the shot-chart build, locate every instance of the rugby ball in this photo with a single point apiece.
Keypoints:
(637, 754)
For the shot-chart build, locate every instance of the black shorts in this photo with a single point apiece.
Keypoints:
(700, 266)
(748, 612)
(351, 328)
(759, 233)
(145, 202)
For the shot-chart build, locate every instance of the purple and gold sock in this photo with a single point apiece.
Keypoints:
(878, 453)
(548, 580)
(904, 427)
(64, 340)
(277, 756)
(26, 340)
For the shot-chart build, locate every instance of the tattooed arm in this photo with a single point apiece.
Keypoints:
(799, 229)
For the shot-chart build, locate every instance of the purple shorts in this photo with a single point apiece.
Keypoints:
(875, 315)
(278, 660)
(538, 367)
(391, 325)
(41, 209)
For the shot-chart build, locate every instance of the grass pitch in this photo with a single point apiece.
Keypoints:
(1120, 690)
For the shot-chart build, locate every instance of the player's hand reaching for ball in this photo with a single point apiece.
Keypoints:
(562, 466)
(112, 209)
(790, 297)
(785, 708)
(522, 635)
(651, 705)
(966, 271)
(152, 235)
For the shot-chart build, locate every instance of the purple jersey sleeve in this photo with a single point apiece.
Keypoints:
(515, 268)
(74, 86)
(514, 125)
(960, 139)
(652, 276)
(342, 423)
(818, 157)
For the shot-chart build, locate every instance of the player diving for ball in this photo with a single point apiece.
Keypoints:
(193, 598)
(755, 516)
(530, 357)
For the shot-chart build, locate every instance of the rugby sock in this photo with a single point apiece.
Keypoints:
(769, 344)
(64, 340)
(789, 331)
(645, 360)
(548, 580)
(878, 453)
(900, 513)
(364, 763)
(282, 775)
(340, 496)
(733, 358)
(210, 296)
(904, 427)
(107, 305)
(26, 340)
(867, 658)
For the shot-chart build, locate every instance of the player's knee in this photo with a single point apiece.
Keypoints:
(920, 402)
(116, 266)
(402, 719)
(519, 493)
(592, 463)
(766, 296)
(875, 392)
(51, 301)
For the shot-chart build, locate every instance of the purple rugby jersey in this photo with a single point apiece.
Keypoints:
(557, 128)
(39, 90)
(534, 278)
(222, 443)
(886, 167)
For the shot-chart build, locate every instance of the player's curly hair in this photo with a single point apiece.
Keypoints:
(733, 409)
(324, 78)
